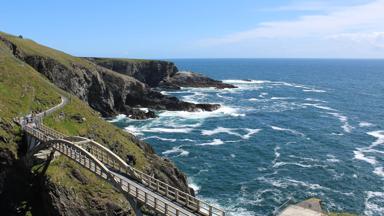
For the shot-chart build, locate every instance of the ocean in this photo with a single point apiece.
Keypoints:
(296, 129)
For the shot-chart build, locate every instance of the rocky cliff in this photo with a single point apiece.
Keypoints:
(150, 72)
(26, 70)
(155, 73)
(106, 91)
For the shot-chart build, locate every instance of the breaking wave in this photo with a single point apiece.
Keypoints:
(213, 143)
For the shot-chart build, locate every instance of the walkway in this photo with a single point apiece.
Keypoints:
(163, 198)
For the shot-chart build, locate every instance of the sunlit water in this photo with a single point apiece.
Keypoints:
(298, 129)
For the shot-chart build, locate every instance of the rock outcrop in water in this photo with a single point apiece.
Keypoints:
(105, 90)
(190, 79)
(157, 73)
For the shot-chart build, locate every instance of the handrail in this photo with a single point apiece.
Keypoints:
(163, 188)
(149, 190)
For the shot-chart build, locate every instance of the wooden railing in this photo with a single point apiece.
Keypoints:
(95, 157)
(184, 199)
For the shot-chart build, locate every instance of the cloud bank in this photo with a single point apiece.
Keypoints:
(361, 24)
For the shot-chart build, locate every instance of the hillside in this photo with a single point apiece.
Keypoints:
(106, 91)
(67, 188)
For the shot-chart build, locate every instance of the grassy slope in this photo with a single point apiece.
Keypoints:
(96, 128)
(30, 47)
(22, 90)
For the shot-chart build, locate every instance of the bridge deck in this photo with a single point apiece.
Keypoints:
(158, 195)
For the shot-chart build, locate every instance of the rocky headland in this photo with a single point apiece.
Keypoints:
(159, 74)
(32, 78)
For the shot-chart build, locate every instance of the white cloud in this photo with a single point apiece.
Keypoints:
(304, 6)
(375, 39)
(347, 22)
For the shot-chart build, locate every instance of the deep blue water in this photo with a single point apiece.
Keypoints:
(299, 129)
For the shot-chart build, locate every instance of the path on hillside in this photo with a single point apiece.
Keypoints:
(145, 189)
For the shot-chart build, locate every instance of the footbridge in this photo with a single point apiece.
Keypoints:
(143, 188)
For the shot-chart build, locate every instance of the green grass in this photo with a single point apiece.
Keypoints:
(29, 47)
(96, 128)
(22, 90)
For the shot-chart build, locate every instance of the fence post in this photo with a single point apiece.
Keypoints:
(198, 205)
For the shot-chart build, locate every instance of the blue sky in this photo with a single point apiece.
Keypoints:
(202, 28)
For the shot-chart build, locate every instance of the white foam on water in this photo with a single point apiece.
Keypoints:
(374, 203)
(263, 94)
(379, 171)
(304, 158)
(188, 140)
(232, 155)
(286, 182)
(118, 118)
(246, 81)
(279, 164)
(231, 131)
(337, 134)
(250, 132)
(365, 124)
(222, 111)
(344, 120)
(133, 130)
(314, 90)
(332, 158)
(288, 130)
(160, 138)
(218, 130)
(194, 98)
(167, 130)
(193, 185)
(379, 135)
(319, 106)
(315, 100)
(176, 149)
(213, 143)
(253, 99)
(222, 96)
(359, 155)
(277, 155)
(282, 98)
(146, 110)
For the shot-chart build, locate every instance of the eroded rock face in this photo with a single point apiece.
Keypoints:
(107, 91)
(150, 72)
(161, 74)
(58, 200)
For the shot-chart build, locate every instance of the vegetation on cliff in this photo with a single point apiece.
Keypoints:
(67, 188)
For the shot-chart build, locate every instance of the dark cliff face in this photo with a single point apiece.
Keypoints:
(157, 73)
(107, 91)
(150, 72)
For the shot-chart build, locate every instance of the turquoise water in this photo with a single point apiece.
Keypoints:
(298, 129)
